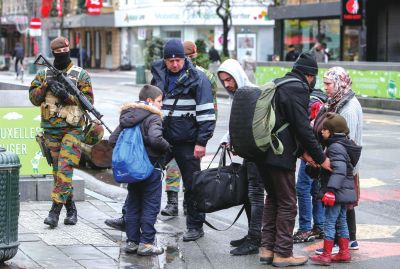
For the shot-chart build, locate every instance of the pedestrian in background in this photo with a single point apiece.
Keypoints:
(189, 120)
(278, 171)
(342, 100)
(249, 66)
(292, 54)
(18, 54)
(213, 55)
(233, 77)
(62, 120)
(337, 188)
(144, 197)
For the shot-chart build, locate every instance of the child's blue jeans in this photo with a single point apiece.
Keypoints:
(143, 206)
(335, 216)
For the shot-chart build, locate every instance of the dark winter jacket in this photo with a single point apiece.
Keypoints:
(193, 119)
(18, 51)
(151, 119)
(291, 105)
(344, 155)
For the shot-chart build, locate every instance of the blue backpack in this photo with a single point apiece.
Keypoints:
(130, 162)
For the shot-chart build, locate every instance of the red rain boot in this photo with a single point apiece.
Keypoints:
(326, 256)
(344, 252)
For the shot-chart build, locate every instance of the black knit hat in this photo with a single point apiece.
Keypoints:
(173, 49)
(335, 124)
(306, 64)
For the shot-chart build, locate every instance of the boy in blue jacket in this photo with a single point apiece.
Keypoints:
(337, 187)
(144, 197)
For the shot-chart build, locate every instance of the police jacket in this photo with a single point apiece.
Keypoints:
(151, 119)
(193, 119)
(344, 155)
(291, 106)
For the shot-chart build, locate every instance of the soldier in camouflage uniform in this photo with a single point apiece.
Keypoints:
(62, 120)
(173, 175)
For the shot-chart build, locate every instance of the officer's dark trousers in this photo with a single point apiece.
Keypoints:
(142, 207)
(279, 210)
(188, 164)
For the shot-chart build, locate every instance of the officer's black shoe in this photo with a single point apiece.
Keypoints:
(171, 209)
(236, 243)
(250, 246)
(72, 214)
(193, 234)
(118, 224)
(54, 214)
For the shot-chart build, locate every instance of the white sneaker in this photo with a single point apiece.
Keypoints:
(131, 247)
(149, 249)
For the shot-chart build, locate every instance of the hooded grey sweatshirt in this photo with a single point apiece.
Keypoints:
(233, 68)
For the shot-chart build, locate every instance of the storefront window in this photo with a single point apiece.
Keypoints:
(303, 34)
(301, 2)
(350, 43)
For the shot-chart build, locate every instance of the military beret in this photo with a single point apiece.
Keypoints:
(59, 42)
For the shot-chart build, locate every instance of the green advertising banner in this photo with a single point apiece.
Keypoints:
(18, 128)
(366, 83)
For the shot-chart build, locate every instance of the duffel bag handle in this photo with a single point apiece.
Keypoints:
(237, 217)
(222, 161)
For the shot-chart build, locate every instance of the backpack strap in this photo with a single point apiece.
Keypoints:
(280, 83)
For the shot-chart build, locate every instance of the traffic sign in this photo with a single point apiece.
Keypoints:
(35, 23)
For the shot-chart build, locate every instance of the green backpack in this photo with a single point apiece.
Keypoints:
(252, 120)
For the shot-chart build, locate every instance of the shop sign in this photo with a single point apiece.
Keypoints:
(352, 12)
(180, 15)
(93, 7)
(18, 128)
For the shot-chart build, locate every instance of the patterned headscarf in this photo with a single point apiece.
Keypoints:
(341, 83)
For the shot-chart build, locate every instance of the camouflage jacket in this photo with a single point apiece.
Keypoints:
(39, 88)
(213, 80)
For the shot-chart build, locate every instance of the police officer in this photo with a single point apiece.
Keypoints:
(62, 120)
(189, 120)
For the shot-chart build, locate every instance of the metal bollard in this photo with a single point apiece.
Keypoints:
(9, 204)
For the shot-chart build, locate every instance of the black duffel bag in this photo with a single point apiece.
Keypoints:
(219, 188)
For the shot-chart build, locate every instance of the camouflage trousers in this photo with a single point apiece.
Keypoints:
(65, 148)
(173, 177)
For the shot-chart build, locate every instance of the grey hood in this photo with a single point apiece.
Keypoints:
(233, 68)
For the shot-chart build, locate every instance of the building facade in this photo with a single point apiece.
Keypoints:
(372, 38)
(138, 21)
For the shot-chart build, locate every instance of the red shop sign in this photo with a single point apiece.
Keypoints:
(93, 7)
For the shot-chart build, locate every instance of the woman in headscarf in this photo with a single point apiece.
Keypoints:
(342, 100)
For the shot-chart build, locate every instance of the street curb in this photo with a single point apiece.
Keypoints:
(93, 184)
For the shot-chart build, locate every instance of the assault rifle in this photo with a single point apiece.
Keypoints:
(72, 89)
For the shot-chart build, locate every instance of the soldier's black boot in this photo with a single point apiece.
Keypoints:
(52, 218)
(72, 214)
(171, 209)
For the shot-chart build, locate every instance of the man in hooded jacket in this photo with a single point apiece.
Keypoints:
(62, 120)
(233, 77)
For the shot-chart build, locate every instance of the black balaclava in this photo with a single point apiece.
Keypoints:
(61, 60)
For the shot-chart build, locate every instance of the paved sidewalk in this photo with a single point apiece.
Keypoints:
(89, 244)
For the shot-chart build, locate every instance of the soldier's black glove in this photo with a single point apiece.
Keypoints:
(58, 90)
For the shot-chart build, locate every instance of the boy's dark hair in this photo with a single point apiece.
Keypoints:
(149, 91)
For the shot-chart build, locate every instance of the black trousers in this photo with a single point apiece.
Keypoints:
(255, 200)
(188, 164)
